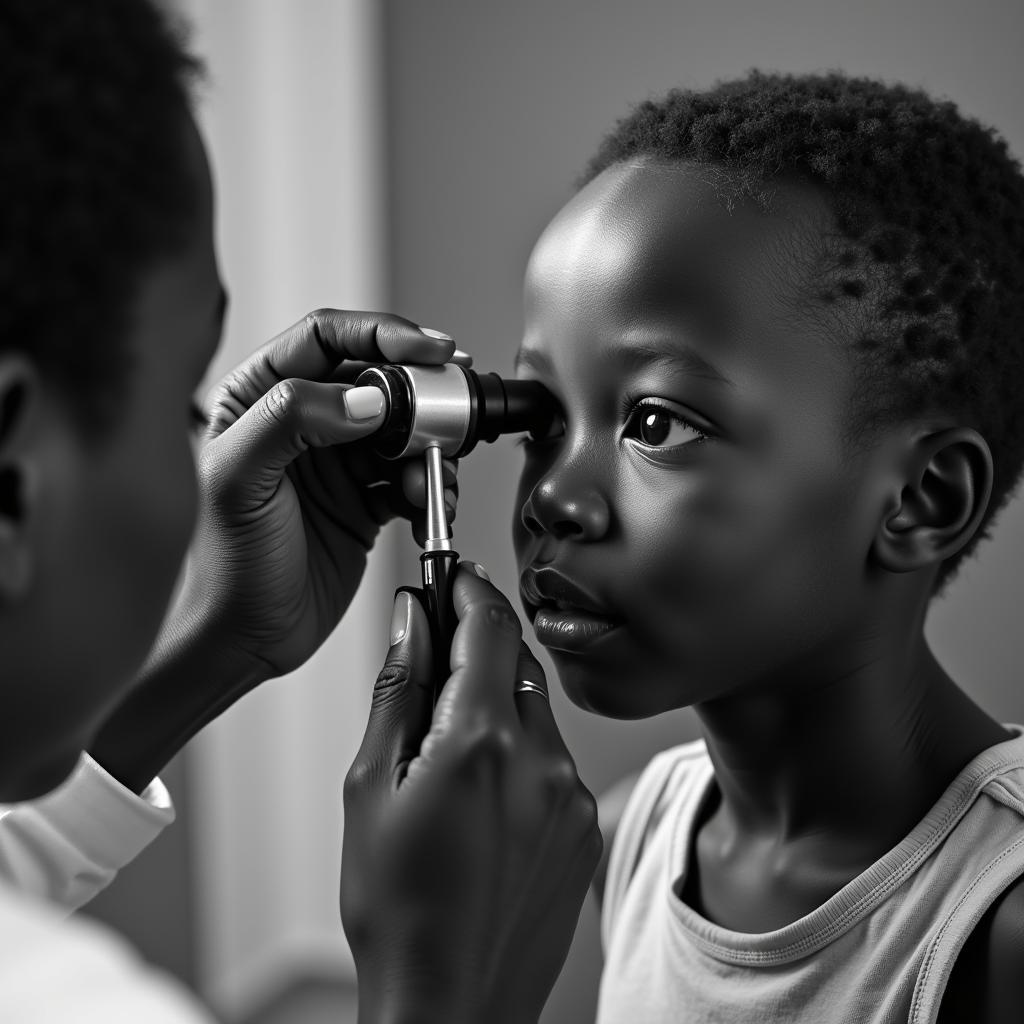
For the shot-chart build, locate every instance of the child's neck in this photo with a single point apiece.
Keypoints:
(818, 782)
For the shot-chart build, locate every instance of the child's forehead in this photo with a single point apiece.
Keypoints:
(649, 265)
(657, 226)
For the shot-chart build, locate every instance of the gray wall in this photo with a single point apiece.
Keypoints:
(493, 110)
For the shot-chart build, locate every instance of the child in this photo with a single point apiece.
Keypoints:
(784, 319)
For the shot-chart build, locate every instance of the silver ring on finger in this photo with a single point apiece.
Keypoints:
(528, 686)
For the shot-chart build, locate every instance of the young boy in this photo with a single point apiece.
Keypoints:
(784, 319)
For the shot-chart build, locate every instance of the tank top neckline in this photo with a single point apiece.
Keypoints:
(859, 896)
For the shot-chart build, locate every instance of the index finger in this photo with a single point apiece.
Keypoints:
(316, 345)
(484, 653)
(326, 337)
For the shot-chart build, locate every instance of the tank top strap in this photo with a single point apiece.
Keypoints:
(684, 766)
(1004, 869)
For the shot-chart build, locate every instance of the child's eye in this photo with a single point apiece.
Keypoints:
(657, 426)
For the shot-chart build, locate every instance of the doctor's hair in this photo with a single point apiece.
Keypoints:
(924, 268)
(96, 187)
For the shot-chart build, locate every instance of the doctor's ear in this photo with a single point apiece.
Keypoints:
(19, 384)
(945, 491)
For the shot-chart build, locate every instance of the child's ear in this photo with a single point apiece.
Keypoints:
(19, 383)
(945, 492)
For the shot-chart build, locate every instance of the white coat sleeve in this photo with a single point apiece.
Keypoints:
(67, 846)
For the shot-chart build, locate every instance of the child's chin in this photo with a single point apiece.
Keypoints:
(609, 694)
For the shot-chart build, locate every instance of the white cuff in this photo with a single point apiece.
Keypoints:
(68, 845)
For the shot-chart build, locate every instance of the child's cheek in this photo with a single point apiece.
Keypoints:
(740, 569)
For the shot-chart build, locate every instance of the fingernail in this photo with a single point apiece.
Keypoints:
(480, 571)
(364, 403)
(462, 358)
(400, 616)
(436, 335)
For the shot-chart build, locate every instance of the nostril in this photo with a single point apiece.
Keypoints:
(533, 524)
(566, 529)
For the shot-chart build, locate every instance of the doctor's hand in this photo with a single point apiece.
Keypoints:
(291, 498)
(470, 841)
(290, 501)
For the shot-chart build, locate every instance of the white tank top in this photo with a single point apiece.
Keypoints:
(879, 950)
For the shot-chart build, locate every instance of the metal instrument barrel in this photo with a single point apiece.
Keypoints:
(439, 535)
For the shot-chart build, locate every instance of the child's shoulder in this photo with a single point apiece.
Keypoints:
(646, 793)
(692, 753)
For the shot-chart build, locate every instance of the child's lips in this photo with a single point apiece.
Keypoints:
(569, 629)
(565, 617)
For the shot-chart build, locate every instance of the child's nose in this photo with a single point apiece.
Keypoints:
(566, 509)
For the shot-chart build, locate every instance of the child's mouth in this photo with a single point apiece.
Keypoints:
(565, 616)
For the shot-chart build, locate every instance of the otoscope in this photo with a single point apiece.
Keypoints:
(443, 412)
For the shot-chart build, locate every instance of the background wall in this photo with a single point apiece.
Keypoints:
(494, 109)
(291, 115)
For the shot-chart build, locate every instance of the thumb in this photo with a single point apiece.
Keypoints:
(250, 457)
(403, 697)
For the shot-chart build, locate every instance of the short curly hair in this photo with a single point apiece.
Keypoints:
(96, 187)
(928, 264)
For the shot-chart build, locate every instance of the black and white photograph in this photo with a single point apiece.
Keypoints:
(510, 513)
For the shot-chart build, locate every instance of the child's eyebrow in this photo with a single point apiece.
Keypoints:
(638, 355)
